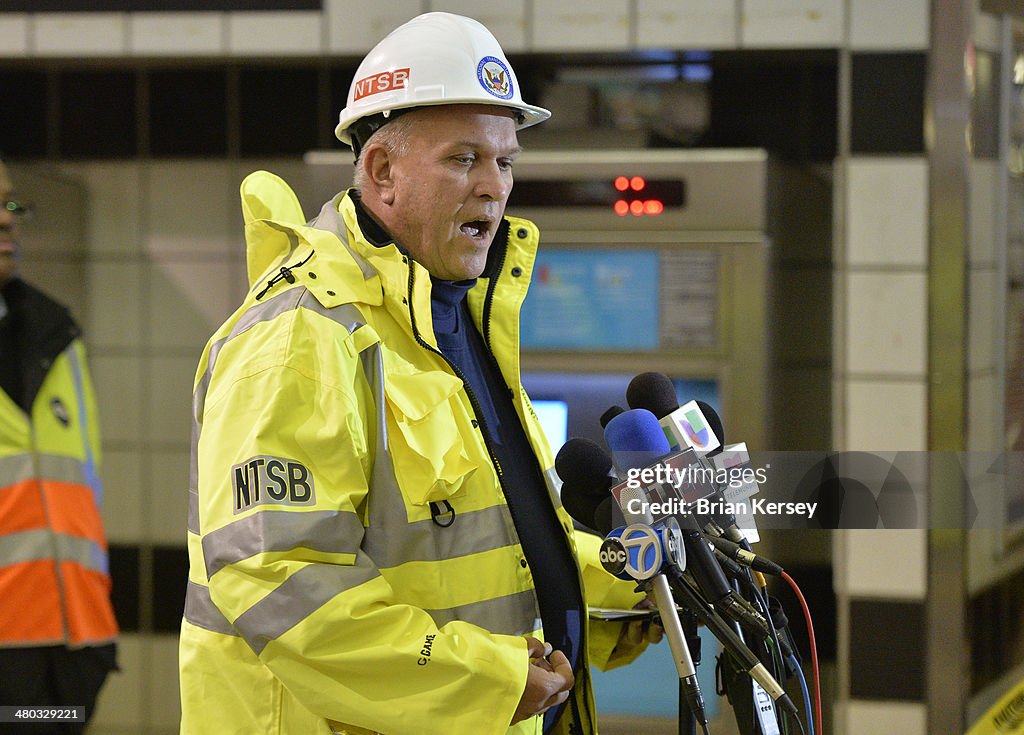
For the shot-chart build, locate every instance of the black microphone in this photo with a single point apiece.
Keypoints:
(654, 391)
(747, 558)
(657, 393)
(611, 413)
(584, 468)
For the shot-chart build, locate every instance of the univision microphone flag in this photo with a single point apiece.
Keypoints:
(690, 429)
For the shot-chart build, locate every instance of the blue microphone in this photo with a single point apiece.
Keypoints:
(636, 439)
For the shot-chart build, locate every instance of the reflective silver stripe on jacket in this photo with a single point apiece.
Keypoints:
(41, 544)
(332, 532)
(554, 485)
(200, 610)
(298, 597)
(510, 615)
(425, 541)
(329, 219)
(19, 467)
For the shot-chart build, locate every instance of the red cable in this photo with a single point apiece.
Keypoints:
(814, 654)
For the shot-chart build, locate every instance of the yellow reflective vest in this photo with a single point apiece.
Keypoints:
(331, 440)
(54, 576)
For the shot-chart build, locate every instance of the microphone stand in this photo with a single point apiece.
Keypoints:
(687, 722)
(691, 704)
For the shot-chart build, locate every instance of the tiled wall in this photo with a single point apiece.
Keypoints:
(882, 378)
(348, 26)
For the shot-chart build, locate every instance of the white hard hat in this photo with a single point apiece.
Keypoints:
(434, 59)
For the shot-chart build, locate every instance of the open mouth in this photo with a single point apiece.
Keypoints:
(478, 229)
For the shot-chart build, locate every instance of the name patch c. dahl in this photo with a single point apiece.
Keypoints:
(266, 480)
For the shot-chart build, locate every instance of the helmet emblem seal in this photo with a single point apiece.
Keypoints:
(495, 77)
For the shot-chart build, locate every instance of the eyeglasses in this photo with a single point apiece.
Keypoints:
(18, 209)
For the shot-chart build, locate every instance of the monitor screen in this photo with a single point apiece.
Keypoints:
(554, 419)
(593, 299)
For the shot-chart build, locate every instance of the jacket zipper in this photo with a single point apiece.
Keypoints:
(489, 299)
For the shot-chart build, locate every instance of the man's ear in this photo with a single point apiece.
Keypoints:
(376, 162)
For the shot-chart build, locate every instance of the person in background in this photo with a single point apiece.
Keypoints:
(375, 537)
(57, 627)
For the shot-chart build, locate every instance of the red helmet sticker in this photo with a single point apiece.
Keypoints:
(384, 81)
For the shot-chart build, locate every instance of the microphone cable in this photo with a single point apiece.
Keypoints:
(775, 653)
(760, 594)
(814, 649)
(803, 688)
(742, 655)
(778, 664)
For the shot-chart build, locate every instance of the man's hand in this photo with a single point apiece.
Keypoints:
(638, 631)
(547, 683)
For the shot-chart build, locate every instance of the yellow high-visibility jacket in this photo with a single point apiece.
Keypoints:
(54, 576)
(328, 591)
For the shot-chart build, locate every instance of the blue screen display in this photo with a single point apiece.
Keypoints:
(603, 300)
(554, 419)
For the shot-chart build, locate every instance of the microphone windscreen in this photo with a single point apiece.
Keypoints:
(715, 424)
(580, 505)
(611, 413)
(585, 465)
(653, 391)
(636, 439)
(603, 516)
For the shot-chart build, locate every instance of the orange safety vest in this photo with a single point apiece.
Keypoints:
(54, 576)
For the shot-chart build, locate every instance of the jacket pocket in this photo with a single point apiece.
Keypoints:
(424, 416)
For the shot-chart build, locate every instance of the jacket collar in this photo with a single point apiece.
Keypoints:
(45, 329)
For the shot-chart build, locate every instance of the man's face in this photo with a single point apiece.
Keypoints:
(451, 185)
(8, 228)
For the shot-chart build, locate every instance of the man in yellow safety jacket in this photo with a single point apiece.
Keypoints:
(375, 537)
(57, 627)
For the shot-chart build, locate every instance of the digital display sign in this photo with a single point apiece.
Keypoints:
(626, 194)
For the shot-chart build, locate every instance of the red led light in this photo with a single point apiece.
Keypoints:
(653, 206)
(636, 207)
(621, 183)
(637, 183)
(621, 208)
